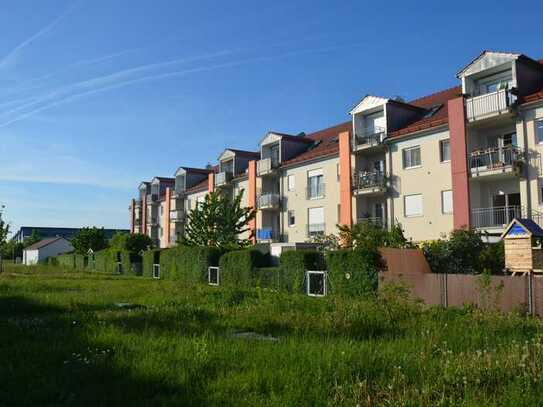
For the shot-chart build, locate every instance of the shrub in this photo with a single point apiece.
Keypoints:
(66, 261)
(492, 258)
(237, 268)
(293, 265)
(148, 259)
(79, 261)
(267, 277)
(104, 261)
(353, 272)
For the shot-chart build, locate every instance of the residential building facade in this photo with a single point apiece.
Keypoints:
(468, 156)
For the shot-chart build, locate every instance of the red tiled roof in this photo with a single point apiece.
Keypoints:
(197, 170)
(200, 187)
(534, 97)
(326, 143)
(296, 139)
(245, 153)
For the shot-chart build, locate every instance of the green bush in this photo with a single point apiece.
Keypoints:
(148, 259)
(104, 261)
(237, 267)
(79, 261)
(352, 272)
(67, 261)
(293, 265)
(267, 277)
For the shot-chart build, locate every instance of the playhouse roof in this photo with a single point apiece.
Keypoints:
(522, 227)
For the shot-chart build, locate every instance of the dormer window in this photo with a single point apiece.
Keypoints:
(227, 166)
(494, 83)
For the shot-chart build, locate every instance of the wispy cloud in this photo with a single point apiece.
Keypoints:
(126, 77)
(11, 58)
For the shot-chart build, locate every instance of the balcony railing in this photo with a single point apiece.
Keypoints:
(315, 229)
(268, 201)
(380, 222)
(493, 158)
(499, 216)
(369, 179)
(315, 191)
(369, 137)
(266, 234)
(177, 215)
(266, 165)
(223, 178)
(481, 106)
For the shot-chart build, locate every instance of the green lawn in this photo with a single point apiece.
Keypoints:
(92, 339)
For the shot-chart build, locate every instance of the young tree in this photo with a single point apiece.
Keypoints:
(135, 243)
(218, 222)
(89, 238)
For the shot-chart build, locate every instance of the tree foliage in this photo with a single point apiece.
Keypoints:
(366, 235)
(89, 238)
(219, 221)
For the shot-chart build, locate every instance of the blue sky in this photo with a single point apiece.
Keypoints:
(96, 96)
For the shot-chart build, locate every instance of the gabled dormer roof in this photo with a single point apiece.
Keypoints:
(272, 136)
(368, 102)
(239, 153)
(522, 228)
(162, 180)
(143, 184)
(487, 60)
(184, 170)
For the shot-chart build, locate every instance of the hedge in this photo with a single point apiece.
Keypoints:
(66, 261)
(237, 268)
(79, 261)
(188, 264)
(294, 263)
(267, 277)
(352, 272)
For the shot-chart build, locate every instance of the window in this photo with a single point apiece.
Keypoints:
(291, 182)
(446, 202)
(291, 218)
(444, 150)
(411, 157)
(213, 275)
(412, 205)
(156, 271)
(316, 283)
(539, 131)
(338, 172)
(315, 184)
(315, 224)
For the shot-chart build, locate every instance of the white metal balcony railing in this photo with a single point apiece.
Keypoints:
(369, 137)
(268, 200)
(177, 215)
(266, 165)
(481, 106)
(495, 217)
(380, 222)
(493, 158)
(315, 229)
(222, 178)
(315, 191)
(369, 179)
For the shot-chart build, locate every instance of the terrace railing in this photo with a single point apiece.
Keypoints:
(481, 106)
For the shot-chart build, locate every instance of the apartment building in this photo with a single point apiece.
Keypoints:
(468, 156)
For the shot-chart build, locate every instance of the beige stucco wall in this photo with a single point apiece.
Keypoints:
(429, 179)
(296, 200)
(526, 132)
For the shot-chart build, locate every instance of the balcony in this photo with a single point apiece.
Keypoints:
(315, 191)
(496, 161)
(266, 166)
(314, 229)
(223, 178)
(497, 217)
(376, 221)
(267, 235)
(369, 138)
(268, 201)
(369, 182)
(177, 215)
(489, 105)
(152, 221)
(152, 198)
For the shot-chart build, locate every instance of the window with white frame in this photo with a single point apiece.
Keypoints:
(444, 150)
(316, 283)
(446, 202)
(315, 184)
(315, 224)
(156, 271)
(412, 205)
(291, 218)
(411, 157)
(539, 131)
(213, 275)
(291, 182)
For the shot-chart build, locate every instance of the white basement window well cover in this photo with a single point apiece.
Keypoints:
(213, 275)
(316, 283)
(156, 271)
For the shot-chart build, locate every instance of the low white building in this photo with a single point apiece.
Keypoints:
(46, 248)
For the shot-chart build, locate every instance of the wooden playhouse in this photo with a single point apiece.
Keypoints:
(522, 243)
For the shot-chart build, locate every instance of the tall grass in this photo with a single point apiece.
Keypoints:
(72, 338)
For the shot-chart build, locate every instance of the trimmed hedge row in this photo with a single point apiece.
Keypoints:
(237, 268)
(293, 265)
(352, 272)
